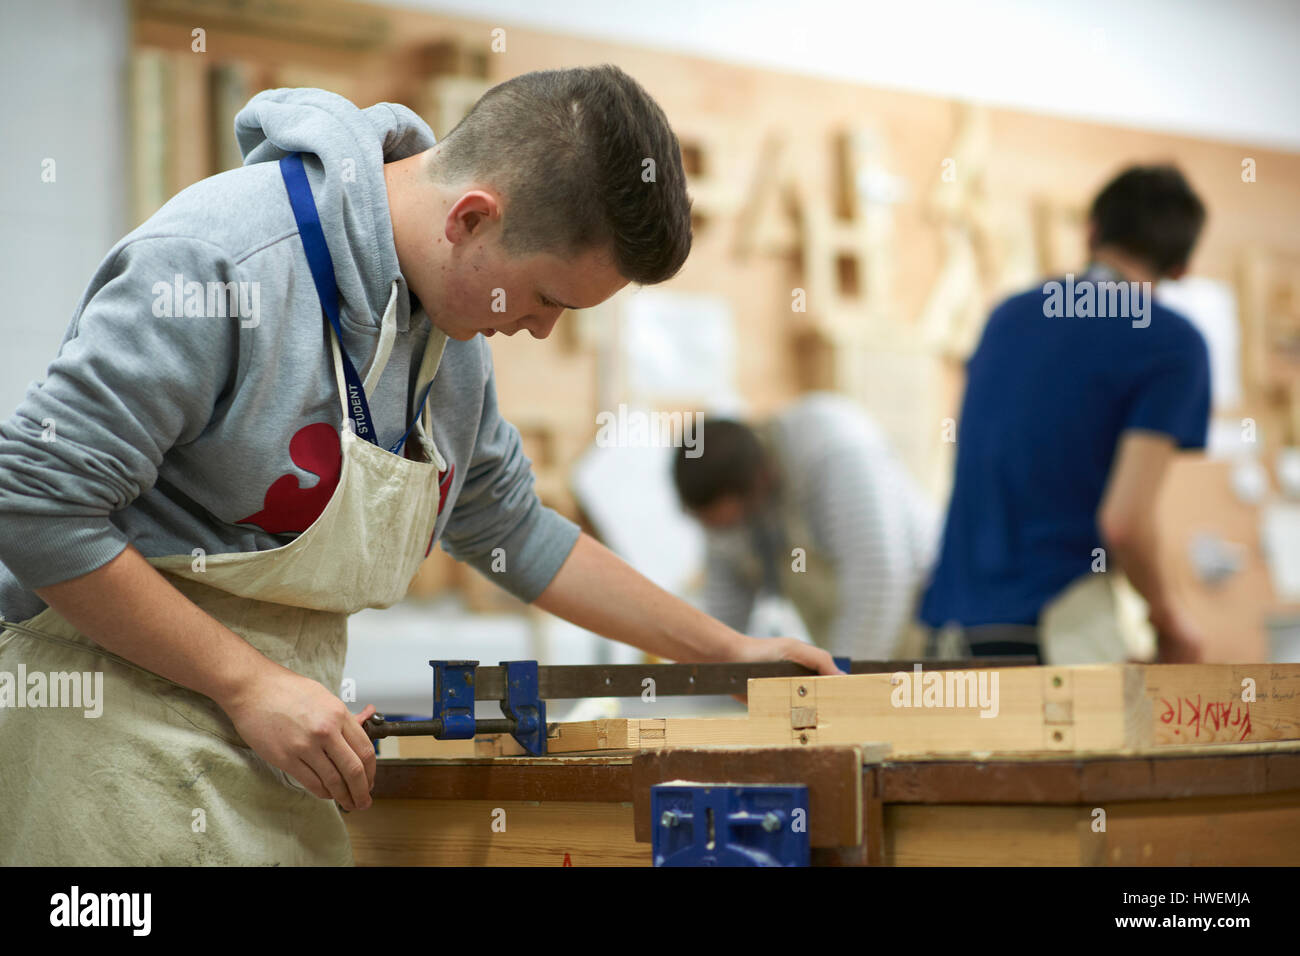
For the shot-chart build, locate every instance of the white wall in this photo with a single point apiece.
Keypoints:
(1220, 69)
(62, 97)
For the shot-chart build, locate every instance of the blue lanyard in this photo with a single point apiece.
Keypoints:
(327, 290)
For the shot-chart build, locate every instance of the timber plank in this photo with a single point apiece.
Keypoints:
(631, 733)
(1015, 709)
(1203, 703)
(1037, 709)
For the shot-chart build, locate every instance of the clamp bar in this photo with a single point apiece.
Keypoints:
(378, 727)
(572, 681)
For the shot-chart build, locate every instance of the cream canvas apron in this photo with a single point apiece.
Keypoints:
(1098, 619)
(162, 777)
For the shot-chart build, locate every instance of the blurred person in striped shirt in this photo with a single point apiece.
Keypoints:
(811, 511)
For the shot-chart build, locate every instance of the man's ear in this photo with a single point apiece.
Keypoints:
(471, 212)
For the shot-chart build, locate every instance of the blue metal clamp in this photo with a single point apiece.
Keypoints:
(721, 825)
(525, 712)
(453, 698)
(523, 705)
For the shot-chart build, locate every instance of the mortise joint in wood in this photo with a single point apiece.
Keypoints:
(1058, 709)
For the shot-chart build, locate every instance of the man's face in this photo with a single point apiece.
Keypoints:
(484, 289)
(449, 248)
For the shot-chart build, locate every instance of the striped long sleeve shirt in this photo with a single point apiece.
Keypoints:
(865, 515)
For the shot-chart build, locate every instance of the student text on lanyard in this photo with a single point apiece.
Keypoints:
(322, 274)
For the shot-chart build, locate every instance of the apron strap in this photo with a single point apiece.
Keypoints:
(434, 348)
(387, 333)
(341, 379)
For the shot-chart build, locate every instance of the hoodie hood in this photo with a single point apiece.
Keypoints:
(344, 150)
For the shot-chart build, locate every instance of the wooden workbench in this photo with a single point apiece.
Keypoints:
(1197, 805)
(1089, 765)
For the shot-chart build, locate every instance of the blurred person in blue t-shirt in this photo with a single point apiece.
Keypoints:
(1078, 396)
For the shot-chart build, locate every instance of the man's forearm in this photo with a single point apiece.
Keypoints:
(597, 590)
(128, 607)
(1138, 557)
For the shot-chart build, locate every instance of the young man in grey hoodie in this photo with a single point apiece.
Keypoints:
(177, 433)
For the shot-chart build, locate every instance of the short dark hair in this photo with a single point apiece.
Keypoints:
(1151, 213)
(568, 150)
(731, 463)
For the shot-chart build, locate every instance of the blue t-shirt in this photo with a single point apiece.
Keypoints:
(1049, 390)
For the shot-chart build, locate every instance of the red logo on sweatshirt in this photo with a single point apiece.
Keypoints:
(290, 507)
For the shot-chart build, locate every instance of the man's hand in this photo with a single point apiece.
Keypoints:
(294, 723)
(757, 649)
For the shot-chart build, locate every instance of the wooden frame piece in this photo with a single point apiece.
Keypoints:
(1089, 709)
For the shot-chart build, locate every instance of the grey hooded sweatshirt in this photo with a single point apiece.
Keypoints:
(173, 431)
